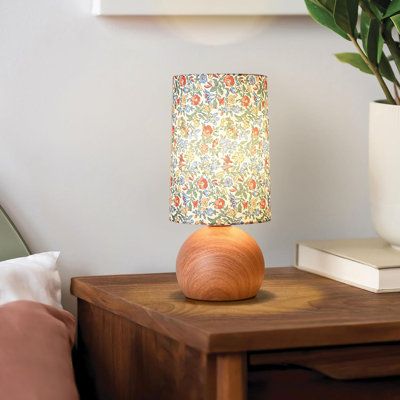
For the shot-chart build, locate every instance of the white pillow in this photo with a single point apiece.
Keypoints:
(33, 278)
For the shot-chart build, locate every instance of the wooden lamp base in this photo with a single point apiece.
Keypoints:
(221, 263)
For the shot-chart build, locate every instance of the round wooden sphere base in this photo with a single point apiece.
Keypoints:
(221, 263)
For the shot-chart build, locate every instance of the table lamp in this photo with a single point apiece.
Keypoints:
(219, 178)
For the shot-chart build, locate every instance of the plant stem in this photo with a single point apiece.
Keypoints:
(375, 71)
(396, 93)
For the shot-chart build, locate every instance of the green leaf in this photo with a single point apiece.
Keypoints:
(386, 69)
(396, 21)
(394, 8)
(345, 15)
(381, 5)
(329, 5)
(371, 37)
(355, 60)
(324, 17)
(374, 8)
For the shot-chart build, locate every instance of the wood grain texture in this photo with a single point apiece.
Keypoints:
(344, 363)
(220, 264)
(140, 338)
(293, 309)
(232, 376)
(288, 383)
(125, 361)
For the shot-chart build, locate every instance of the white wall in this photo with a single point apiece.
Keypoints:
(85, 123)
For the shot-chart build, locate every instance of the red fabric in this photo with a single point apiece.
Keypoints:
(35, 352)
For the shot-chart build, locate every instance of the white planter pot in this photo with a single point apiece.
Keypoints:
(384, 170)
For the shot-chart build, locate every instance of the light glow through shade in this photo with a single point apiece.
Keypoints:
(220, 171)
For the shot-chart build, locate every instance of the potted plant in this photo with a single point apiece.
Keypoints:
(373, 26)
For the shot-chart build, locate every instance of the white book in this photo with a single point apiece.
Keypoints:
(369, 264)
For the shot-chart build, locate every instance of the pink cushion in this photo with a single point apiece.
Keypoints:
(35, 352)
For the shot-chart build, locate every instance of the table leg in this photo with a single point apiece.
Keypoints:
(231, 376)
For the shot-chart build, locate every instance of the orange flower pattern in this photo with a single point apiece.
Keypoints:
(220, 150)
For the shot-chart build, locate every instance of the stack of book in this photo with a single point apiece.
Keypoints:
(370, 264)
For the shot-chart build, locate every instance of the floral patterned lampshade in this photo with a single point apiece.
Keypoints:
(220, 150)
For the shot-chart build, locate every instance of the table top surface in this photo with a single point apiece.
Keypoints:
(293, 309)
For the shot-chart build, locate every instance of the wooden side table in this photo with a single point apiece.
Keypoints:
(302, 337)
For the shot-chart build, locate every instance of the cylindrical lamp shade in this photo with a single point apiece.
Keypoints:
(220, 150)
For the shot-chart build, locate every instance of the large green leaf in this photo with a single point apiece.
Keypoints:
(329, 5)
(394, 8)
(386, 69)
(375, 9)
(345, 14)
(396, 21)
(324, 17)
(382, 5)
(371, 37)
(355, 60)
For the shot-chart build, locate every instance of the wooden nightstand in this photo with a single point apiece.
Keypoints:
(302, 337)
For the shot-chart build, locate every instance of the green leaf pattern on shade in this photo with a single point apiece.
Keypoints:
(220, 150)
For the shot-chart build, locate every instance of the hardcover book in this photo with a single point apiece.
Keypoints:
(369, 264)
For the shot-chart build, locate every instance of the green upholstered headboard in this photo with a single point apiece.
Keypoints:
(12, 245)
